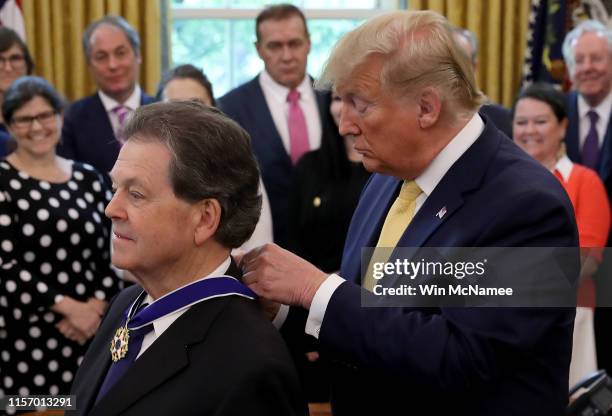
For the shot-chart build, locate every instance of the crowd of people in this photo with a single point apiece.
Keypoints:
(398, 129)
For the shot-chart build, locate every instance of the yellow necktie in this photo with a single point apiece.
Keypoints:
(398, 218)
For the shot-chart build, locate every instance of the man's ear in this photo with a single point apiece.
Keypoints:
(429, 107)
(207, 217)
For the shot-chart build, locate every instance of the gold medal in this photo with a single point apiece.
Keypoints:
(119, 344)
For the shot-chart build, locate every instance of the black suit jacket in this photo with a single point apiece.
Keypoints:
(87, 135)
(221, 357)
(247, 106)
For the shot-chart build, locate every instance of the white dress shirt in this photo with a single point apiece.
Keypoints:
(163, 323)
(602, 110)
(427, 181)
(131, 104)
(276, 98)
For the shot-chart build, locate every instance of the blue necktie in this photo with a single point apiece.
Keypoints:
(119, 368)
(590, 148)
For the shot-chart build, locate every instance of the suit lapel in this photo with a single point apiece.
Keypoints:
(571, 136)
(605, 166)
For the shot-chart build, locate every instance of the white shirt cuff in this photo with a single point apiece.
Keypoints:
(319, 304)
(281, 316)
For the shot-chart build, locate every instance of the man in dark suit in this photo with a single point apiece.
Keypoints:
(93, 125)
(445, 177)
(189, 339)
(587, 52)
(279, 108)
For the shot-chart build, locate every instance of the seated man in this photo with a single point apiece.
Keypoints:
(193, 342)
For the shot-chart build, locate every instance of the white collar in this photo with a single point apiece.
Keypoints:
(564, 167)
(429, 179)
(602, 110)
(133, 101)
(161, 324)
(280, 92)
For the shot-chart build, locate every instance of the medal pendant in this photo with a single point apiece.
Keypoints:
(119, 344)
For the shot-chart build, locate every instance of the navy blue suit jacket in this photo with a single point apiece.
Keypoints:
(87, 135)
(247, 106)
(459, 361)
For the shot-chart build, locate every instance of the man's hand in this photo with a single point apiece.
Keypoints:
(82, 316)
(281, 276)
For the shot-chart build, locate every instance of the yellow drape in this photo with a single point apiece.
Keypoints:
(54, 32)
(501, 28)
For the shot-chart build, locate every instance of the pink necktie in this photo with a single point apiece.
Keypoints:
(298, 132)
(121, 112)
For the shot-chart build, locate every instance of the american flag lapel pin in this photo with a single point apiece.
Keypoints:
(441, 213)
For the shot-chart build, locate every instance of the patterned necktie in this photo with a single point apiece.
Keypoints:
(121, 111)
(119, 368)
(398, 218)
(298, 131)
(590, 148)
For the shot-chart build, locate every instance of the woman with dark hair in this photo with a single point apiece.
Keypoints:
(186, 82)
(539, 123)
(55, 276)
(15, 62)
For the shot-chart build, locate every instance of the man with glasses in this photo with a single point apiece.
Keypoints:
(93, 127)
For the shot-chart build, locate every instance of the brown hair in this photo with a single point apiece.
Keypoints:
(279, 12)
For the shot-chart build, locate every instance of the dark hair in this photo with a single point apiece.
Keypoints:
(8, 38)
(279, 12)
(211, 157)
(546, 93)
(186, 71)
(115, 21)
(26, 88)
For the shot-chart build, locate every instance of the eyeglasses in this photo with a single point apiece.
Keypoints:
(25, 122)
(16, 61)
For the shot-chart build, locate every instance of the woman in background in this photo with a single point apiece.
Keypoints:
(539, 123)
(55, 276)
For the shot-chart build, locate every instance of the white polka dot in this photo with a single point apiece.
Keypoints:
(80, 360)
(81, 203)
(66, 376)
(78, 175)
(75, 239)
(49, 317)
(2, 197)
(24, 391)
(20, 345)
(76, 266)
(54, 202)
(41, 287)
(35, 195)
(53, 390)
(35, 332)
(5, 166)
(5, 356)
(46, 268)
(42, 214)
(58, 298)
(25, 298)
(62, 226)
(89, 227)
(37, 354)
(15, 184)
(25, 275)
(45, 240)
(107, 281)
(62, 277)
(3, 301)
(7, 246)
(61, 254)
(53, 366)
(28, 229)
(80, 289)
(5, 220)
(100, 295)
(44, 185)
(64, 194)
(109, 195)
(29, 256)
(72, 185)
(52, 343)
(22, 367)
(8, 382)
(100, 242)
(96, 217)
(86, 253)
(73, 213)
(66, 351)
(89, 275)
(10, 286)
(17, 314)
(23, 204)
(100, 207)
(96, 186)
(89, 197)
(39, 380)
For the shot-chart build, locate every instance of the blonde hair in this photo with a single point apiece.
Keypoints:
(420, 51)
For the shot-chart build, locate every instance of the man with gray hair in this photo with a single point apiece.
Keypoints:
(444, 177)
(189, 339)
(93, 126)
(587, 50)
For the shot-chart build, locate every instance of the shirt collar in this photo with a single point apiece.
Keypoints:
(602, 110)
(429, 179)
(161, 324)
(280, 92)
(133, 101)
(564, 167)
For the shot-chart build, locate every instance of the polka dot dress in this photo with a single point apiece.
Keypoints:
(54, 242)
